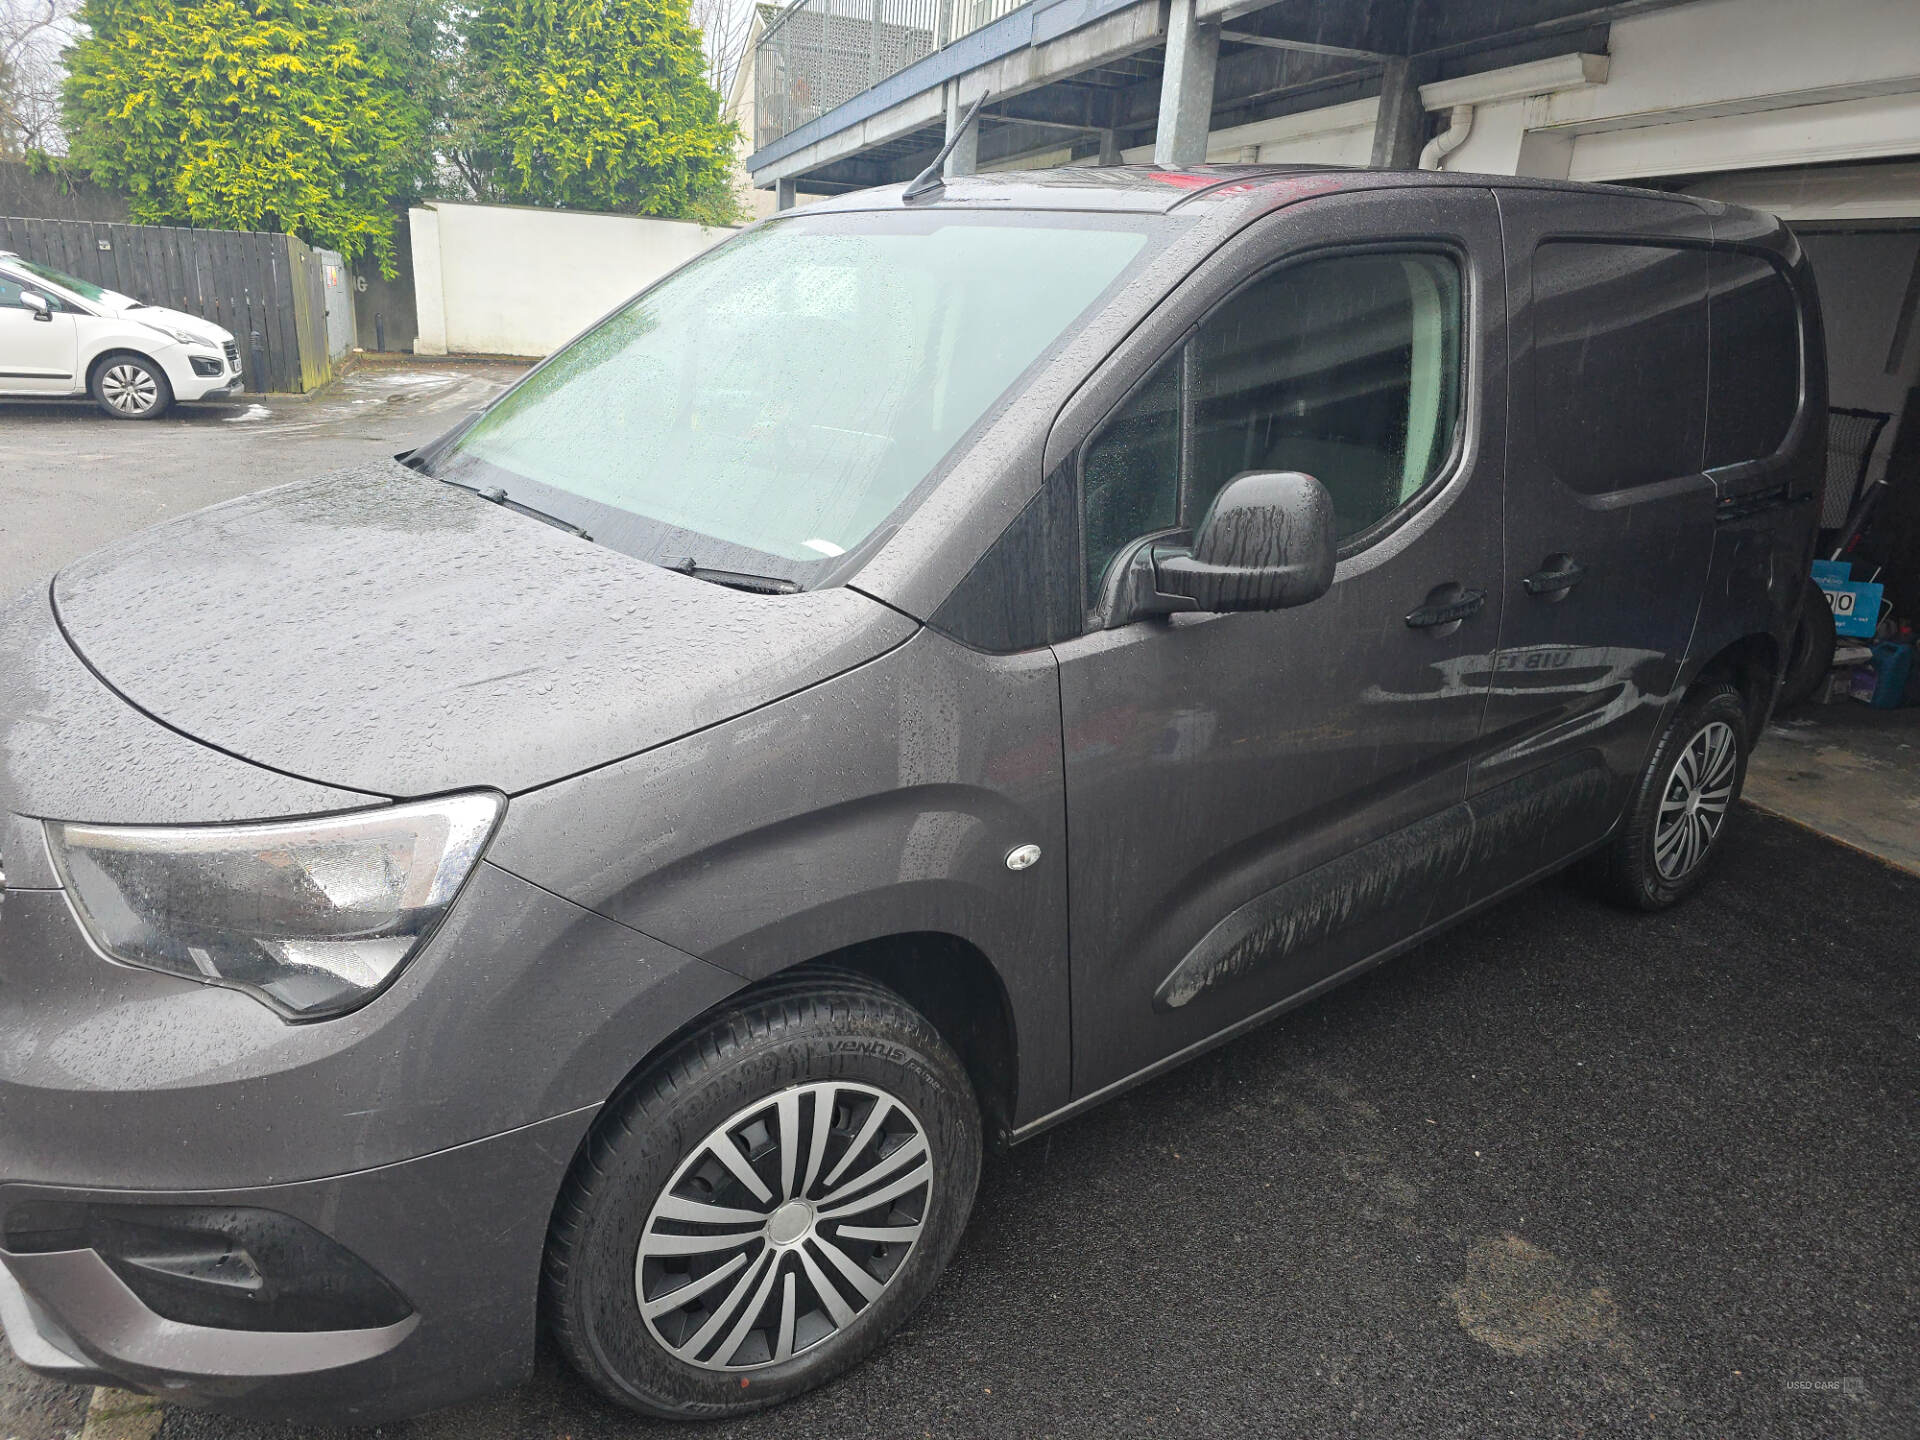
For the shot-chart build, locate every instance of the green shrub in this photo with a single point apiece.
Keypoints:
(595, 105)
(246, 115)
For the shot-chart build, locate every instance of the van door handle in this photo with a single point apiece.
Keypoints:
(1445, 612)
(1559, 575)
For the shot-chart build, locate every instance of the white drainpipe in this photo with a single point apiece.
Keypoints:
(1459, 126)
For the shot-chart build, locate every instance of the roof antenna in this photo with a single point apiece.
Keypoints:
(931, 179)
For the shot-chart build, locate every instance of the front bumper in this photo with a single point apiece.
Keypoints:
(38, 1341)
(443, 1117)
(459, 1235)
(189, 384)
(124, 1089)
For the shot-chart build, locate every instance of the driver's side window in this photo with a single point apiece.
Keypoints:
(1130, 471)
(11, 290)
(1346, 367)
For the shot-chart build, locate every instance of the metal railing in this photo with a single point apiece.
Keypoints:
(972, 15)
(821, 53)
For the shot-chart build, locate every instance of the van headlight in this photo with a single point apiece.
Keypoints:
(313, 917)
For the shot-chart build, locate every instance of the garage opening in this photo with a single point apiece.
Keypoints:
(1845, 757)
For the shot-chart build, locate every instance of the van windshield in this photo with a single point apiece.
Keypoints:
(772, 404)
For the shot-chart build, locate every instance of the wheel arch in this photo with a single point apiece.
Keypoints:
(116, 349)
(952, 982)
(1752, 665)
(943, 976)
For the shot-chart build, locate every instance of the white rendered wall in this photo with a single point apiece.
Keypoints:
(742, 107)
(1867, 128)
(1732, 53)
(430, 311)
(1335, 135)
(510, 280)
(1721, 85)
(1889, 190)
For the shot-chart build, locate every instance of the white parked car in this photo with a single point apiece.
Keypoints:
(61, 335)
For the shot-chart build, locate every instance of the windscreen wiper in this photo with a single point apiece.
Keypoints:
(500, 497)
(735, 579)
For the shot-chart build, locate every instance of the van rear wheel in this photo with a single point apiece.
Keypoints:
(766, 1204)
(1676, 823)
(1810, 650)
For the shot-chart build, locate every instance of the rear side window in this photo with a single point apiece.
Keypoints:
(1620, 362)
(1755, 323)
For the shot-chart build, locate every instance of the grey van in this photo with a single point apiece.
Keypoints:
(925, 666)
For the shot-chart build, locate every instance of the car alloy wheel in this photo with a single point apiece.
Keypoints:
(1693, 805)
(129, 388)
(783, 1225)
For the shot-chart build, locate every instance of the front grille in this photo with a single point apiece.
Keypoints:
(233, 357)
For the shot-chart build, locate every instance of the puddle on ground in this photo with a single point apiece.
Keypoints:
(1519, 1299)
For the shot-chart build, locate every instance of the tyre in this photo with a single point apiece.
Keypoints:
(1674, 826)
(131, 387)
(765, 1204)
(1810, 651)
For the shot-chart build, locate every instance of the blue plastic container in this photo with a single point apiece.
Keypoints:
(1892, 667)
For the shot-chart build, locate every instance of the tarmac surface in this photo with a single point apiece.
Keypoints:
(72, 479)
(1562, 1172)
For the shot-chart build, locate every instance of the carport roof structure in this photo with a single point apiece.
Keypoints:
(1090, 76)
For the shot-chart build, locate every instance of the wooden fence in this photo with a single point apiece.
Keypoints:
(269, 290)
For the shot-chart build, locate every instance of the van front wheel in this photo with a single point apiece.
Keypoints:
(1674, 827)
(765, 1204)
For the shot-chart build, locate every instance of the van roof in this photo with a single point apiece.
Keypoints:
(1153, 190)
(1140, 188)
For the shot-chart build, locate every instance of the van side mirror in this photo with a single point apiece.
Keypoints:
(38, 304)
(1266, 543)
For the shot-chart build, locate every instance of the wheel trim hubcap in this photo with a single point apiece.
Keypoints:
(129, 388)
(790, 1224)
(784, 1225)
(1693, 805)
